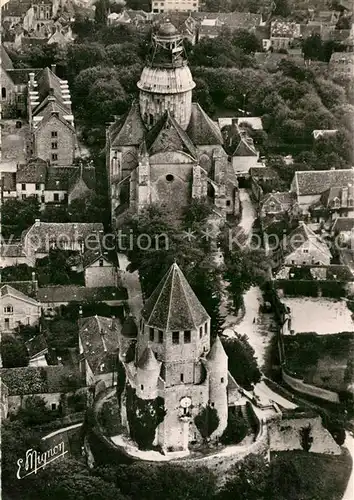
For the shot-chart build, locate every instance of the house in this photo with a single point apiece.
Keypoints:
(42, 236)
(262, 179)
(309, 186)
(277, 204)
(52, 297)
(175, 5)
(53, 136)
(100, 267)
(98, 344)
(37, 349)
(53, 184)
(303, 247)
(335, 202)
(48, 382)
(240, 146)
(13, 254)
(283, 33)
(341, 65)
(17, 308)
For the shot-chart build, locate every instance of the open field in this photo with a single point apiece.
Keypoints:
(320, 315)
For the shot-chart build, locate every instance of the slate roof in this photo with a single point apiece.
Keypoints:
(36, 380)
(285, 199)
(52, 112)
(36, 345)
(90, 256)
(317, 181)
(6, 62)
(12, 250)
(7, 289)
(167, 135)
(129, 130)
(284, 29)
(301, 235)
(129, 328)
(245, 147)
(20, 76)
(263, 173)
(201, 129)
(34, 172)
(9, 181)
(86, 174)
(73, 231)
(328, 197)
(27, 288)
(173, 305)
(72, 293)
(343, 224)
(99, 340)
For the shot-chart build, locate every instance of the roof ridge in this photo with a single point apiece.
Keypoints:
(173, 267)
(164, 279)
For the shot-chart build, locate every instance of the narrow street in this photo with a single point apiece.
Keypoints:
(248, 212)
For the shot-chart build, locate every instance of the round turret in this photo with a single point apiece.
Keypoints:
(147, 374)
(166, 82)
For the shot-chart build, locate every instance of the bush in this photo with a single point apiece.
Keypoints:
(236, 429)
(109, 417)
(207, 421)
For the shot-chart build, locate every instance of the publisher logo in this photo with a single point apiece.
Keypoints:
(34, 460)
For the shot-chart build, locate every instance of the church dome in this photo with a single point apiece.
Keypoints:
(167, 29)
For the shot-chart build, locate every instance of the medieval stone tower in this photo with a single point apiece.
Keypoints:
(166, 82)
(175, 362)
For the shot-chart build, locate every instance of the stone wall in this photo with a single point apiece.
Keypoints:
(309, 389)
(285, 435)
(65, 140)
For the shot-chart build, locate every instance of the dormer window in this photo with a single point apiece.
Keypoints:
(100, 262)
(336, 202)
(8, 309)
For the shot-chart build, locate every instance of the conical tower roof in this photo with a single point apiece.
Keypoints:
(129, 328)
(217, 352)
(173, 306)
(148, 361)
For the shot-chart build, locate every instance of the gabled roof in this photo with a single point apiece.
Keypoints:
(285, 199)
(34, 172)
(201, 129)
(7, 290)
(72, 293)
(36, 345)
(317, 181)
(167, 135)
(28, 288)
(343, 224)
(99, 340)
(49, 84)
(301, 235)
(6, 62)
(245, 147)
(51, 112)
(342, 194)
(36, 380)
(50, 105)
(129, 130)
(173, 305)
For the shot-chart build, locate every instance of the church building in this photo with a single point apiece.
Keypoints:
(175, 361)
(166, 149)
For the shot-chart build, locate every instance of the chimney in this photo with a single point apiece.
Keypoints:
(344, 200)
(34, 283)
(37, 222)
(31, 77)
(53, 68)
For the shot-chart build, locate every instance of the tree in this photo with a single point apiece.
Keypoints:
(207, 421)
(62, 334)
(281, 8)
(305, 438)
(122, 54)
(18, 272)
(246, 41)
(101, 12)
(312, 47)
(91, 208)
(242, 361)
(18, 215)
(35, 412)
(13, 352)
(236, 429)
(249, 479)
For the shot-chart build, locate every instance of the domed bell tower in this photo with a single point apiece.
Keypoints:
(166, 82)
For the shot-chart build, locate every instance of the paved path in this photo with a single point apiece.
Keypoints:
(349, 492)
(248, 212)
(132, 284)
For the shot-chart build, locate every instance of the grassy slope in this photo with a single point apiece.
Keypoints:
(323, 477)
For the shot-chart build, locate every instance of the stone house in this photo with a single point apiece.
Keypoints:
(240, 147)
(51, 120)
(335, 202)
(37, 348)
(43, 236)
(343, 230)
(53, 297)
(17, 308)
(100, 268)
(98, 345)
(303, 247)
(309, 186)
(277, 204)
(283, 33)
(341, 65)
(48, 382)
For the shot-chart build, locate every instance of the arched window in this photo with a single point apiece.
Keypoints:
(3, 93)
